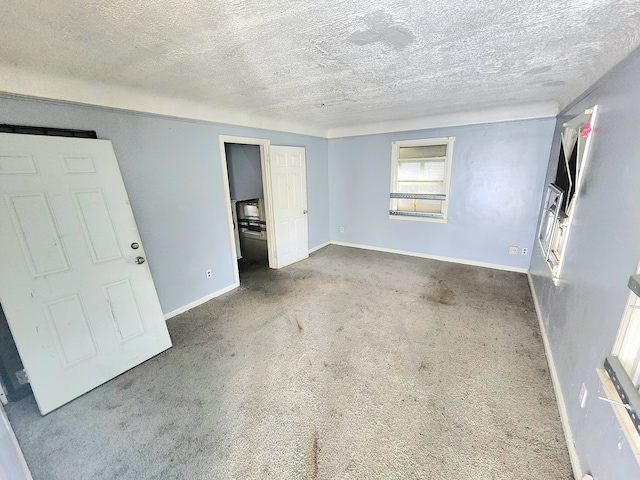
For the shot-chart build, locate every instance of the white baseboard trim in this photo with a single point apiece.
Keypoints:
(200, 301)
(564, 417)
(318, 247)
(434, 257)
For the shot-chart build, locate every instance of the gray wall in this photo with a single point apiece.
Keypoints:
(10, 361)
(583, 313)
(496, 186)
(173, 174)
(245, 171)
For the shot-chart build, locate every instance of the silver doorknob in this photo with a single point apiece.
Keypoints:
(304, 212)
(140, 260)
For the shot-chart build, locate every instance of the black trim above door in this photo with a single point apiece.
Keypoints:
(53, 132)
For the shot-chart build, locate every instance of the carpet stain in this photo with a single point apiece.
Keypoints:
(198, 411)
(299, 327)
(440, 294)
(126, 385)
(313, 460)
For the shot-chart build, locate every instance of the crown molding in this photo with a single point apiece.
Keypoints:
(19, 81)
(502, 114)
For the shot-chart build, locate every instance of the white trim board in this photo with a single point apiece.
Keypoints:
(20, 81)
(318, 247)
(462, 261)
(45, 86)
(508, 113)
(564, 417)
(235, 285)
(200, 301)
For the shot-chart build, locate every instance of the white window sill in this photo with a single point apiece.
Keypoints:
(628, 428)
(418, 219)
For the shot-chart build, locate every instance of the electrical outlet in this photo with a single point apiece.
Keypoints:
(209, 274)
(341, 229)
(583, 396)
(513, 250)
(525, 251)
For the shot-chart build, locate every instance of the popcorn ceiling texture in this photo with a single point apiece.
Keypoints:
(328, 63)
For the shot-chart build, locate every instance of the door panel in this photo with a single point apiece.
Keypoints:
(78, 164)
(290, 204)
(125, 310)
(98, 228)
(33, 224)
(17, 164)
(71, 328)
(80, 308)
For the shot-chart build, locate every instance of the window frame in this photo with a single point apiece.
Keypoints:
(396, 214)
(555, 249)
(618, 382)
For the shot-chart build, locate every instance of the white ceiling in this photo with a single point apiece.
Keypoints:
(324, 64)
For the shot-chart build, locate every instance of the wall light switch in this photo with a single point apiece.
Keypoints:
(341, 229)
(513, 250)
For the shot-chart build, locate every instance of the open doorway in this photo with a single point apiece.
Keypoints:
(245, 165)
(246, 190)
(282, 207)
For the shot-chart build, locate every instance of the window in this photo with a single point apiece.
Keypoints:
(420, 171)
(623, 365)
(560, 203)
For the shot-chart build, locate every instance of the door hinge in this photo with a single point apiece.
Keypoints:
(23, 377)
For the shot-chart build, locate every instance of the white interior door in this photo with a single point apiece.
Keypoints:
(12, 464)
(79, 300)
(289, 200)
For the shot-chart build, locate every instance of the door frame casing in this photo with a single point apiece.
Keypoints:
(265, 165)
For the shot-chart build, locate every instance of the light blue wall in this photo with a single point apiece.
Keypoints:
(496, 185)
(245, 171)
(173, 174)
(582, 314)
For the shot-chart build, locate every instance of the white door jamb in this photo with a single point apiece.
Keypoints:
(264, 145)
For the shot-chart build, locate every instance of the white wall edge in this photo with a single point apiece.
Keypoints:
(200, 301)
(564, 417)
(494, 115)
(46, 86)
(318, 247)
(14, 441)
(462, 261)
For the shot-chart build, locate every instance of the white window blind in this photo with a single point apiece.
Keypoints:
(420, 171)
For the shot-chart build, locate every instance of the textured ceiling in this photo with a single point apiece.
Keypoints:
(327, 63)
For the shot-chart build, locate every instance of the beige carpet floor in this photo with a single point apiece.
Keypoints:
(349, 365)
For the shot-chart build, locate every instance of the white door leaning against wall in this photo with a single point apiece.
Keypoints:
(74, 282)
